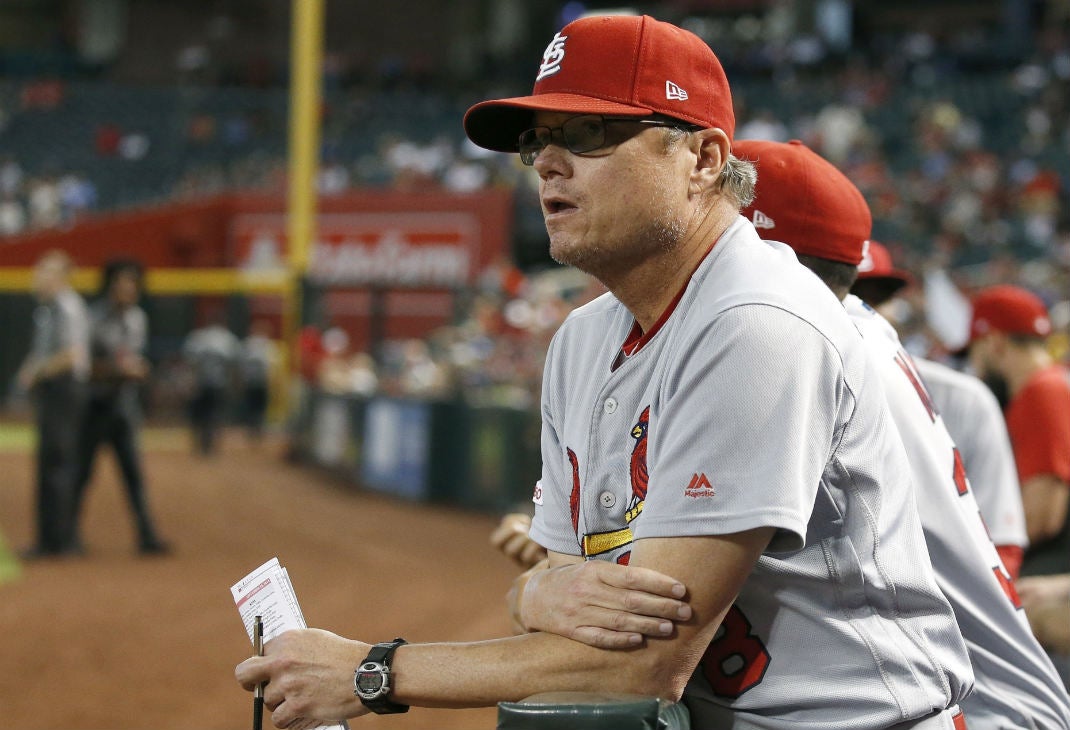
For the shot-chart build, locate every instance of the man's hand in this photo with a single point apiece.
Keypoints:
(602, 604)
(1046, 600)
(309, 675)
(511, 537)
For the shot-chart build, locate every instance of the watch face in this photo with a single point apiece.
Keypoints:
(367, 682)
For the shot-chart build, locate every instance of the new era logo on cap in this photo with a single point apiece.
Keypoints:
(552, 57)
(761, 220)
(673, 91)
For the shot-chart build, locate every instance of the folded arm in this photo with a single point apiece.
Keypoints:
(310, 673)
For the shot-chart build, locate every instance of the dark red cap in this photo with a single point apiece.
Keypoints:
(876, 264)
(1008, 309)
(621, 65)
(804, 201)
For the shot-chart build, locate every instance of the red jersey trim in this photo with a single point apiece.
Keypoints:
(637, 339)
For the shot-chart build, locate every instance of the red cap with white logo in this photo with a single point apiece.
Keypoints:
(802, 200)
(1008, 309)
(620, 65)
(876, 264)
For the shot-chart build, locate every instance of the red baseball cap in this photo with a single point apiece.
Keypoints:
(1008, 309)
(876, 264)
(802, 200)
(623, 65)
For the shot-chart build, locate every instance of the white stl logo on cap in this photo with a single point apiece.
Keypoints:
(552, 57)
(866, 264)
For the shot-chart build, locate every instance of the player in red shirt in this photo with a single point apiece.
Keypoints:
(1007, 348)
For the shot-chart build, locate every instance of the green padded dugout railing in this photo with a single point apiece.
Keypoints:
(587, 711)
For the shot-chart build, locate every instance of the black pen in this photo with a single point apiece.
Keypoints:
(258, 693)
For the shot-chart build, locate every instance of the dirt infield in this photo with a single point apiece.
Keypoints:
(111, 641)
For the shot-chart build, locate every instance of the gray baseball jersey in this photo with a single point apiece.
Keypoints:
(62, 324)
(1016, 684)
(973, 418)
(753, 404)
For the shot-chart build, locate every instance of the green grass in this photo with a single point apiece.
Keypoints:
(22, 438)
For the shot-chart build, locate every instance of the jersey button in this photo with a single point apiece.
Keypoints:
(610, 405)
(608, 499)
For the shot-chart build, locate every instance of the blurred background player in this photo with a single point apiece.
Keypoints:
(257, 361)
(54, 372)
(806, 202)
(970, 412)
(119, 334)
(1008, 332)
(212, 351)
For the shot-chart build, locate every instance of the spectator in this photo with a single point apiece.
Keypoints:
(12, 215)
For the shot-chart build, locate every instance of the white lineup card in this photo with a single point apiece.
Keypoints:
(267, 592)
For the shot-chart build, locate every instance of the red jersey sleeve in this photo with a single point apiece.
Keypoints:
(1038, 421)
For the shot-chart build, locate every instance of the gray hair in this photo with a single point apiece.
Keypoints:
(738, 176)
(738, 179)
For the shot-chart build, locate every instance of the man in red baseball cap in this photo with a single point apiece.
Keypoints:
(705, 419)
(878, 278)
(1008, 333)
(805, 202)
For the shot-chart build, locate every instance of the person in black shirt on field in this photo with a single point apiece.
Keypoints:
(118, 336)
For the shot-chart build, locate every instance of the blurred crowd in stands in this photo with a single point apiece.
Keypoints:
(962, 153)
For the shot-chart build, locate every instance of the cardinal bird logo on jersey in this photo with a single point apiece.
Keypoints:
(574, 497)
(638, 471)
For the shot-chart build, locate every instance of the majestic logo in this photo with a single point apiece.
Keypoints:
(674, 92)
(699, 487)
(761, 220)
(638, 470)
(552, 57)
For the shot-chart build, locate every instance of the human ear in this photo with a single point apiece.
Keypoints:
(711, 148)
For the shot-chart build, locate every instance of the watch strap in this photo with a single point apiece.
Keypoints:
(384, 654)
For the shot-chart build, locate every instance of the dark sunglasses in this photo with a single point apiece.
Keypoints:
(585, 133)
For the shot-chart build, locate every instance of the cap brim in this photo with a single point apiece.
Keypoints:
(497, 124)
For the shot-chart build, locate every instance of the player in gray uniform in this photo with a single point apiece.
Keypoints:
(715, 417)
(1017, 686)
(54, 372)
(972, 416)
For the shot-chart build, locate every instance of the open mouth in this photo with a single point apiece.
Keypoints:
(557, 206)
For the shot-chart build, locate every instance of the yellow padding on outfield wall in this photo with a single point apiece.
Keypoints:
(166, 281)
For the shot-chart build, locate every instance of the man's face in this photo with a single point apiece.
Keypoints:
(985, 366)
(48, 279)
(607, 210)
(124, 289)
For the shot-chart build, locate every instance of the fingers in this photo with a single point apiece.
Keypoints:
(531, 554)
(640, 579)
(510, 525)
(640, 591)
(511, 537)
(252, 672)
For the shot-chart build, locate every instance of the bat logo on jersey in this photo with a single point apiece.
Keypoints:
(552, 57)
(638, 471)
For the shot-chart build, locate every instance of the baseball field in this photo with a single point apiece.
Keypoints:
(114, 641)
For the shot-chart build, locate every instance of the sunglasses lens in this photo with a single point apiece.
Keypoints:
(584, 134)
(532, 142)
